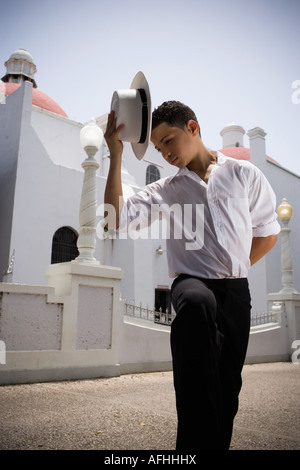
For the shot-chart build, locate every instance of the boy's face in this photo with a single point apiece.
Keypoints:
(177, 146)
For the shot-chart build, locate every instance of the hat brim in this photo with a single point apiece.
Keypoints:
(140, 81)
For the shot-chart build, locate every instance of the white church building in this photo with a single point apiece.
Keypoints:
(41, 182)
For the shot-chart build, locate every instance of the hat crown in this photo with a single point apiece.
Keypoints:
(133, 109)
(127, 105)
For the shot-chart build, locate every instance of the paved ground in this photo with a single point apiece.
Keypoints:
(138, 412)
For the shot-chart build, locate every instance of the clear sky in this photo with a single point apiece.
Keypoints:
(230, 60)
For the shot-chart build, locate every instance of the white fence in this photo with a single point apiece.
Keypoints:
(81, 329)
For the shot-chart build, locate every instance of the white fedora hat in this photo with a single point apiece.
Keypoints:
(133, 108)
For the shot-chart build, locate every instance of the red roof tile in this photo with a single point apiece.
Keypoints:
(240, 153)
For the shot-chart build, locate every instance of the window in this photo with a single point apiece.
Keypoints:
(152, 174)
(64, 245)
(163, 299)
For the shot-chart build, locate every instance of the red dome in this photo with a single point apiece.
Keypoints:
(39, 98)
(240, 153)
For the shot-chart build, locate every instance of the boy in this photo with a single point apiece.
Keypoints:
(210, 293)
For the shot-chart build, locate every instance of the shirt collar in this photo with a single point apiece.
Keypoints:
(221, 159)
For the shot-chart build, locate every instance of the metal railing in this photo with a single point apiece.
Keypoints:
(263, 318)
(150, 314)
(166, 318)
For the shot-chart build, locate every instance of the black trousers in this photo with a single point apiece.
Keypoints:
(209, 339)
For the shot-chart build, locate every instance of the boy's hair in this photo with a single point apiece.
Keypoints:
(173, 113)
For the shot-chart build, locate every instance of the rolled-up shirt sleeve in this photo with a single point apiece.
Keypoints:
(139, 207)
(262, 204)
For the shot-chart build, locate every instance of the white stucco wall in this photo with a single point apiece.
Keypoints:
(10, 118)
(46, 198)
(29, 322)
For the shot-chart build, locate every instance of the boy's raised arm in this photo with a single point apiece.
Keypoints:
(113, 191)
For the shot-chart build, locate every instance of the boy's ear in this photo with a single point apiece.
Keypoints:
(193, 127)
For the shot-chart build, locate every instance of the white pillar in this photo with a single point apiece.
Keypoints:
(288, 297)
(91, 137)
(257, 144)
(232, 135)
(86, 242)
(285, 212)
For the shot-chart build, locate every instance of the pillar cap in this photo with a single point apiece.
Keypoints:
(256, 132)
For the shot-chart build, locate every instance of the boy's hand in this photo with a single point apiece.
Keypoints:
(111, 136)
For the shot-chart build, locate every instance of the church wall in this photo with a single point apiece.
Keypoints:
(257, 278)
(46, 198)
(10, 118)
(59, 137)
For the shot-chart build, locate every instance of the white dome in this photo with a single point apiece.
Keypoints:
(20, 66)
(22, 54)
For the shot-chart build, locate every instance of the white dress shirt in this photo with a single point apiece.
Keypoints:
(210, 226)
